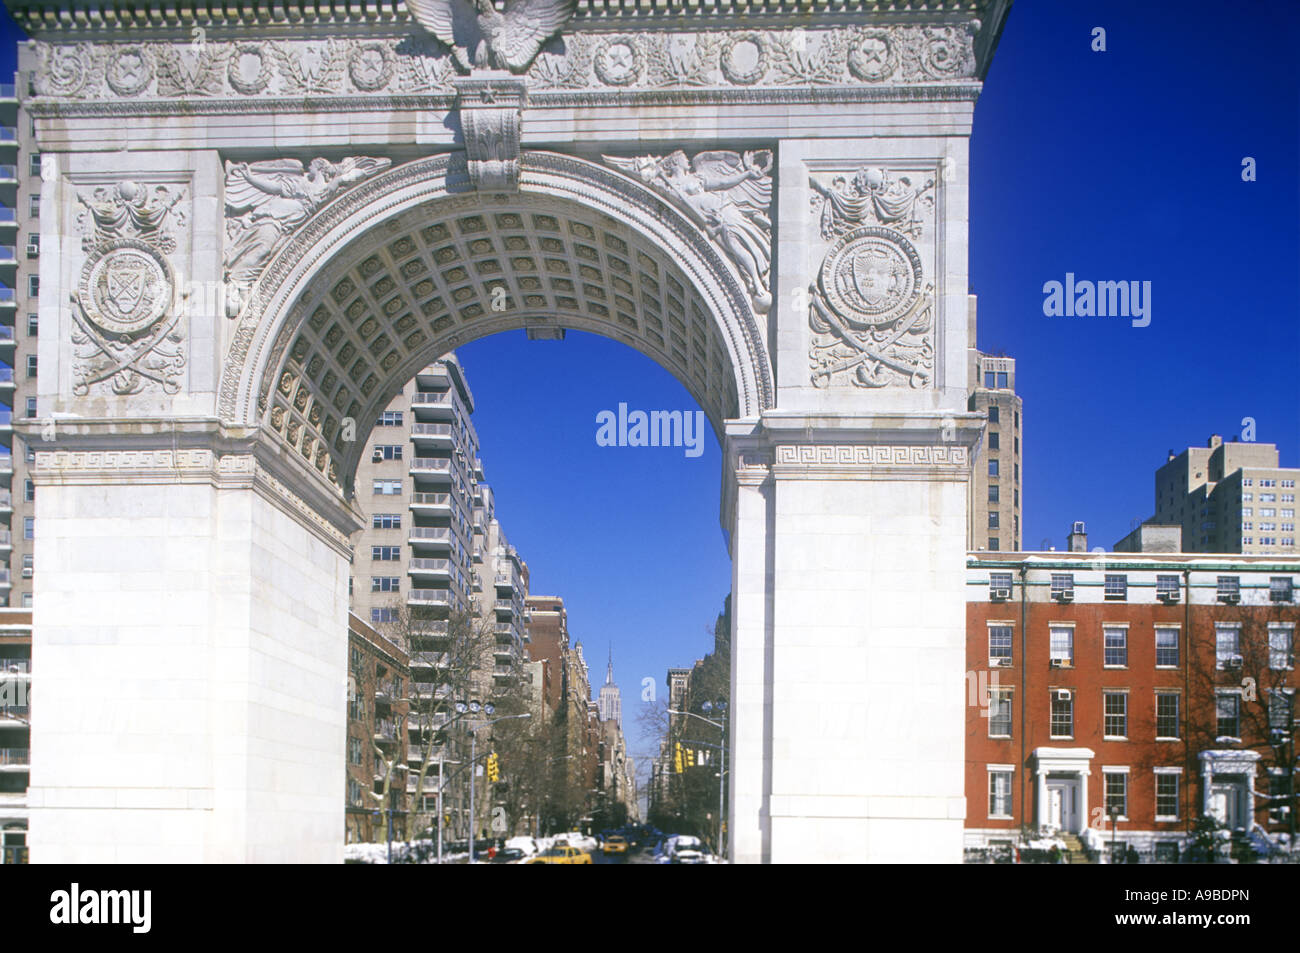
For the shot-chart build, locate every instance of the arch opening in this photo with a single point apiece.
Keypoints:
(404, 269)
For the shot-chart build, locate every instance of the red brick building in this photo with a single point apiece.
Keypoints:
(379, 673)
(1159, 686)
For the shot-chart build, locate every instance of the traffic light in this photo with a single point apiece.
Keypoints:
(493, 769)
(677, 758)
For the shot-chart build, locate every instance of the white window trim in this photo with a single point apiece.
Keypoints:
(1116, 769)
(1178, 642)
(989, 640)
(1001, 769)
(1114, 691)
(1114, 625)
(1178, 773)
(1155, 701)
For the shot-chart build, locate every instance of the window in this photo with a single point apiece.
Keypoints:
(1281, 704)
(1116, 586)
(993, 440)
(993, 414)
(1167, 586)
(382, 615)
(1115, 650)
(1228, 712)
(999, 793)
(385, 583)
(387, 521)
(1000, 585)
(389, 451)
(993, 519)
(1280, 641)
(994, 544)
(29, 563)
(993, 468)
(1062, 646)
(386, 552)
(1229, 588)
(993, 493)
(34, 206)
(990, 379)
(31, 365)
(1116, 793)
(29, 527)
(1062, 582)
(999, 713)
(1279, 589)
(34, 164)
(388, 487)
(29, 491)
(354, 751)
(33, 325)
(27, 600)
(1227, 645)
(1166, 795)
(31, 407)
(1167, 715)
(1062, 720)
(1278, 795)
(389, 418)
(354, 793)
(1000, 645)
(1115, 714)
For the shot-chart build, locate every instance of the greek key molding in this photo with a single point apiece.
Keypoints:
(876, 456)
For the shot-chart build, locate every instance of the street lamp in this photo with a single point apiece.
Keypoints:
(473, 745)
(1113, 813)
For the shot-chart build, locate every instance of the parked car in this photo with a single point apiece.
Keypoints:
(560, 854)
(510, 855)
(681, 849)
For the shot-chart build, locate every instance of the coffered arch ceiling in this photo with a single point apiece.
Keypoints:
(578, 247)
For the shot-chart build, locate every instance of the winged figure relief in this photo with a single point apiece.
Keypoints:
(480, 36)
(729, 195)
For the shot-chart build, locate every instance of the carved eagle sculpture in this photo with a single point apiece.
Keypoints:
(479, 36)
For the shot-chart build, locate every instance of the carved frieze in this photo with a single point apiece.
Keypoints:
(729, 195)
(421, 64)
(872, 305)
(491, 117)
(266, 201)
(127, 337)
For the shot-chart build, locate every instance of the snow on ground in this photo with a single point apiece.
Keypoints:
(378, 853)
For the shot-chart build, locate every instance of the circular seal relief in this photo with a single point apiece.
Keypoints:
(249, 70)
(871, 276)
(742, 59)
(128, 71)
(618, 61)
(371, 66)
(125, 289)
(872, 57)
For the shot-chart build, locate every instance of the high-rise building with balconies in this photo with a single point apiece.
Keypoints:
(20, 197)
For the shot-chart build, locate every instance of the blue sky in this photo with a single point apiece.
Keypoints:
(1117, 165)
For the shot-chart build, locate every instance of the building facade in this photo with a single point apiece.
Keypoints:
(610, 698)
(1229, 497)
(995, 509)
(1157, 686)
(15, 731)
(379, 677)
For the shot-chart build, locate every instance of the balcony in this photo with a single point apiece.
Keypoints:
(432, 597)
(8, 134)
(430, 660)
(439, 536)
(438, 434)
(4, 579)
(430, 567)
(6, 502)
(6, 421)
(7, 339)
(6, 540)
(15, 757)
(431, 467)
(438, 504)
(385, 731)
(431, 689)
(8, 297)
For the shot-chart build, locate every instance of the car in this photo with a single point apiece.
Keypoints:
(509, 855)
(614, 844)
(560, 854)
(681, 849)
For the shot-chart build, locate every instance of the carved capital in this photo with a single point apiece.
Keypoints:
(491, 114)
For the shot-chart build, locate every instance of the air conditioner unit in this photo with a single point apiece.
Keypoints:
(1062, 694)
(1060, 663)
(1064, 595)
(377, 456)
(1231, 597)
(1000, 595)
(1169, 597)
(1233, 663)
(27, 574)
(33, 251)
(1001, 663)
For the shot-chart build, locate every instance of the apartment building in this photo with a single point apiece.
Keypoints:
(433, 548)
(1229, 497)
(378, 685)
(1128, 694)
(994, 510)
(15, 731)
(20, 196)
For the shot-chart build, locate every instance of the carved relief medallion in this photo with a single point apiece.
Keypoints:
(871, 276)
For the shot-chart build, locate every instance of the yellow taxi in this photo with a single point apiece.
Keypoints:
(560, 854)
(614, 844)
